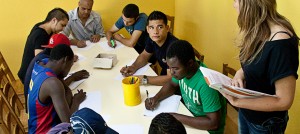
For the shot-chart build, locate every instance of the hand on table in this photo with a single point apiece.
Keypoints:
(95, 38)
(81, 44)
(79, 75)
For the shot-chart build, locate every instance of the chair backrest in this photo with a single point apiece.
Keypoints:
(171, 25)
(13, 99)
(198, 55)
(9, 121)
(228, 70)
(7, 71)
(3, 78)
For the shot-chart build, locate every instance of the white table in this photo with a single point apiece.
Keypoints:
(112, 100)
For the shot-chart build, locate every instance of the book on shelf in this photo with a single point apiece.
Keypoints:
(222, 83)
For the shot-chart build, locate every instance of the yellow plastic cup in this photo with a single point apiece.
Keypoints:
(131, 89)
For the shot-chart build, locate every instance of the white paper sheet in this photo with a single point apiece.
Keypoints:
(104, 45)
(80, 57)
(128, 129)
(75, 84)
(92, 101)
(167, 105)
(140, 71)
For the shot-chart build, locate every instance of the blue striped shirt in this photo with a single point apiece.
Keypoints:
(92, 26)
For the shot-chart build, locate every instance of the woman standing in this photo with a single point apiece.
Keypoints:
(269, 58)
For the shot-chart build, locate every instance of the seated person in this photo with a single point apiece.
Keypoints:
(156, 44)
(84, 24)
(40, 34)
(206, 104)
(135, 24)
(53, 41)
(83, 121)
(49, 102)
(165, 123)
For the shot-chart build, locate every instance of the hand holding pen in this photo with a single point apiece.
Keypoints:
(150, 103)
(127, 71)
(113, 42)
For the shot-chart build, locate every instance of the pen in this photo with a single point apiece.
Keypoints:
(148, 98)
(112, 42)
(147, 94)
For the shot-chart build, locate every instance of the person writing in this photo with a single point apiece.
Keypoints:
(269, 56)
(206, 104)
(134, 23)
(156, 45)
(49, 102)
(84, 24)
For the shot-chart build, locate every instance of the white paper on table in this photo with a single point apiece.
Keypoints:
(140, 71)
(106, 47)
(75, 84)
(128, 129)
(92, 101)
(80, 57)
(167, 105)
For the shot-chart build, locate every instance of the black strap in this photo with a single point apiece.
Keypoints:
(280, 32)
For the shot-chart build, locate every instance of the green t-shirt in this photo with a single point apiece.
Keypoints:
(200, 99)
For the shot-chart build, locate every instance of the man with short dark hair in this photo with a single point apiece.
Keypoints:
(49, 102)
(207, 105)
(135, 24)
(55, 40)
(156, 46)
(84, 24)
(55, 21)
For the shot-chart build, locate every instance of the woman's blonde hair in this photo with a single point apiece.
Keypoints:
(253, 22)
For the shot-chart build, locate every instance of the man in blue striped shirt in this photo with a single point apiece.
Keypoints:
(84, 24)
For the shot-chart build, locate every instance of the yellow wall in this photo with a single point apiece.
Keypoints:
(211, 27)
(18, 17)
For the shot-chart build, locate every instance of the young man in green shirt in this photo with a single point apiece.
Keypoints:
(205, 103)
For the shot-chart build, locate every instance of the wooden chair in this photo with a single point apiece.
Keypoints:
(198, 55)
(232, 112)
(11, 97)
(16, 83)
(9, 122)
(171, 25)
(228, 70)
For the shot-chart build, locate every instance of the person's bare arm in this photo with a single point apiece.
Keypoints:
(78, 43)
(209, 122)
(285, 92)
(141, 61)
(157, 80)
(110, 33)
(79, 75)
(54, 88)
(130, 42)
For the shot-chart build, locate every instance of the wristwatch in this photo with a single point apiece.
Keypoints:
(145, 80)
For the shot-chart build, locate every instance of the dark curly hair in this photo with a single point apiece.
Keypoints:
(181, 49)
(165, 123)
